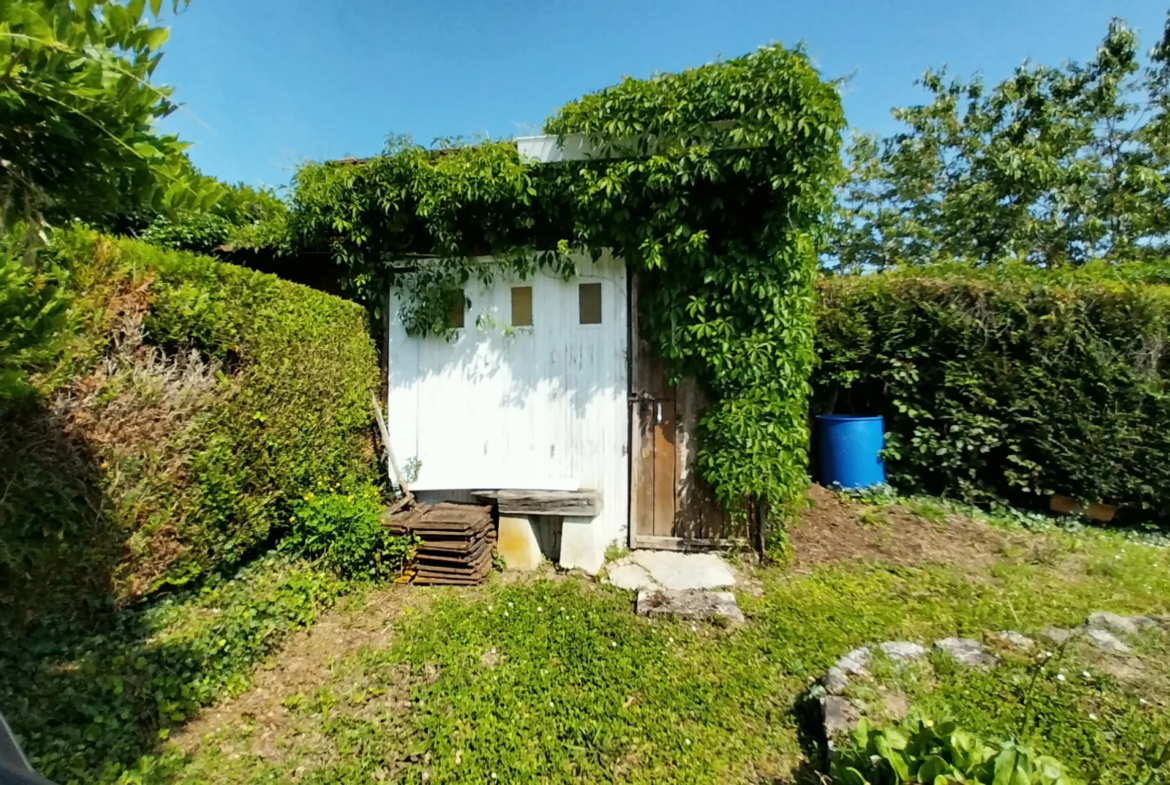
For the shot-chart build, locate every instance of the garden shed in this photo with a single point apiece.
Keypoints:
(541, 399)
(543, 297)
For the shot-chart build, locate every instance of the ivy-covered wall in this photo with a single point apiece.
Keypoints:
(717, 191)
(1008, 384)
(183, 405)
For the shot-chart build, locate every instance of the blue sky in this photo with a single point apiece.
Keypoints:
(268, 84)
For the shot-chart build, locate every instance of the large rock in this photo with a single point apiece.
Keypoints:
(689, 604)
(967, 652)
(1016, 640)
(1057, 635)
(839, 716)
(1122, 625)
(852, 664)
(903, 650)
(1106, 641)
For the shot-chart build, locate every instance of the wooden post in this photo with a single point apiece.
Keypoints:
(391, 464)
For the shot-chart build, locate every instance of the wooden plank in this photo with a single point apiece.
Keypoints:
(682, 544)
(665, 466)
(644, 476)
(585, 504)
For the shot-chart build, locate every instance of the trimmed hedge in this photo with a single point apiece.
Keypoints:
(190, 403)
(1010, 384)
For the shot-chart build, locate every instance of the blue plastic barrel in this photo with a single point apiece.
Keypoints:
(850, 450)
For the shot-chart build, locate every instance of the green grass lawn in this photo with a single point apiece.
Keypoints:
(556, 680)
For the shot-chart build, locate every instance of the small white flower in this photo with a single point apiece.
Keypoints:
(670, 640)
(688, 741)
(505, 613)
(489, 607)
(1086, 675)
(509, 605)
(613, 643)
(1060, 678)
(1142, 701)
(1093, 717)
(1048, 655)
(493, 775)
(694, 628)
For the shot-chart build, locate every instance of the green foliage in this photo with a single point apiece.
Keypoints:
(32, 311)
(243, 218)
(939, 754)
(196, 402)
(345, 532)
(87, 703)
(1053, 165)
(712, 184)
(77, 113)
(999, 386)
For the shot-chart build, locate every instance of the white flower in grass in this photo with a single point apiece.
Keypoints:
(1086, 675)
(613, 643)
(688, 741)
(493, 775)
(1060, 678)
(539, 609)
(1142, 701)
(1093, 717)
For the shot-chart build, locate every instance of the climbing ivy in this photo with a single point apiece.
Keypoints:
(713, 184)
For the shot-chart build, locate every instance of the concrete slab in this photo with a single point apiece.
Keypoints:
(683, 571)
(689, 604)
(629, 576)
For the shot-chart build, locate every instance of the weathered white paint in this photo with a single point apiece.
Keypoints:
(541, 408)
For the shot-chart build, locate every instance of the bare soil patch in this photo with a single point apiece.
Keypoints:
(303, 665)
(834, 529)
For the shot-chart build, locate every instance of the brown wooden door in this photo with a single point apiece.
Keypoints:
(671, 505)
(656, 473)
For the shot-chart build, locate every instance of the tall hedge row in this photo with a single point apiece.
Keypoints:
(1007, 386)
(189, 402)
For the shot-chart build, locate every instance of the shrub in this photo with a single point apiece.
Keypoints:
(939, 754)
(87, 703)
(1007, 384)
(345, 531)
(174, 427)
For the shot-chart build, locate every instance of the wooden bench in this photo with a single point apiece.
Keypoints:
(520, 538)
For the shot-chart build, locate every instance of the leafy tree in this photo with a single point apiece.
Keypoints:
(77, 114)
(1053, 165)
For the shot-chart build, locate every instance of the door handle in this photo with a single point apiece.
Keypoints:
(658, 413)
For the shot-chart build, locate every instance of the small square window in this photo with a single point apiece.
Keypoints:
(589, 298)
(458, 306)
(521, 306)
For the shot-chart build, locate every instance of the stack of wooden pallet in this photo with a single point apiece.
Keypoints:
(457, 541)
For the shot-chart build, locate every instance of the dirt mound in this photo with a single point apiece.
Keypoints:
(836, 529)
